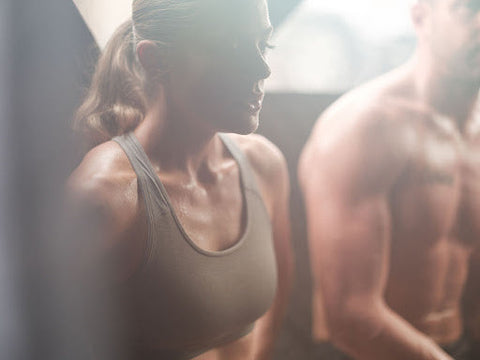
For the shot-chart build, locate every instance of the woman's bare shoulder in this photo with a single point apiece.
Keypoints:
(264, 156)
(101, 202)
(269, 167)
(101, 177)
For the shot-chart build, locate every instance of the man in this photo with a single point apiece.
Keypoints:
(391, 178)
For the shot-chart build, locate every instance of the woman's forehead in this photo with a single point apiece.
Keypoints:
(231, 15)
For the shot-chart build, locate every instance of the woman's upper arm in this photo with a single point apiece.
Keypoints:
(90, 218)
(271, 170)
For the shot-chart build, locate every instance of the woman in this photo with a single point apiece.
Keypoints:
(194, 222)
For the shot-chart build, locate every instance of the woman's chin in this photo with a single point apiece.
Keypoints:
(243, 126)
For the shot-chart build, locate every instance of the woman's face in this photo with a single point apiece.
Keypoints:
(216, 76)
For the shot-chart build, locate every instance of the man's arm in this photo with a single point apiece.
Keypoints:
(346, 176)
(472, 297)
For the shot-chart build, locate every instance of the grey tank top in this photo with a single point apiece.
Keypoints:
(185, 300)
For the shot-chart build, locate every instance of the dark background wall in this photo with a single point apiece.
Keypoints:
(10, 324)
(286, 119)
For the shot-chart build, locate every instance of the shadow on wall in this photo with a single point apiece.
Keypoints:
(287, 119)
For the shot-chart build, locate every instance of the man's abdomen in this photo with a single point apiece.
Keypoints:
(425, 286)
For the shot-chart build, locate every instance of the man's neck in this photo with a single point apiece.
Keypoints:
(449, 96)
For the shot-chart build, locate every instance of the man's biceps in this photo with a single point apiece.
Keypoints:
(349, 211)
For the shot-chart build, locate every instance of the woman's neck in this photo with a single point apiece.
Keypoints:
(174, 143)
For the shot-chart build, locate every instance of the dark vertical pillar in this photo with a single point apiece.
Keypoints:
(11, 324)
(47, 50)
(287, 120)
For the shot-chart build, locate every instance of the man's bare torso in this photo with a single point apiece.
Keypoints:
(434, 203)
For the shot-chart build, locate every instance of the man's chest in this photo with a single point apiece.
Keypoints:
(438, 197)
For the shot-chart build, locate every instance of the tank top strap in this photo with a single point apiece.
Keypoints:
(248, 177)
(147, 178)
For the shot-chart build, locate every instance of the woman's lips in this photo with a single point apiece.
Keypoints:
(252, 106)
(255, 106)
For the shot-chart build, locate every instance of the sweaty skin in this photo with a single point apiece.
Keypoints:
(392, 190)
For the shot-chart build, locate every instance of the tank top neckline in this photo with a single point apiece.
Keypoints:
(231, 148)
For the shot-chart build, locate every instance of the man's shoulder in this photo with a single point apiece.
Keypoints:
(371, 126)
(377, 100)
(379, 109)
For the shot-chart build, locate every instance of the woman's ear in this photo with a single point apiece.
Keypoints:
(419, 15)
(151, 57)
